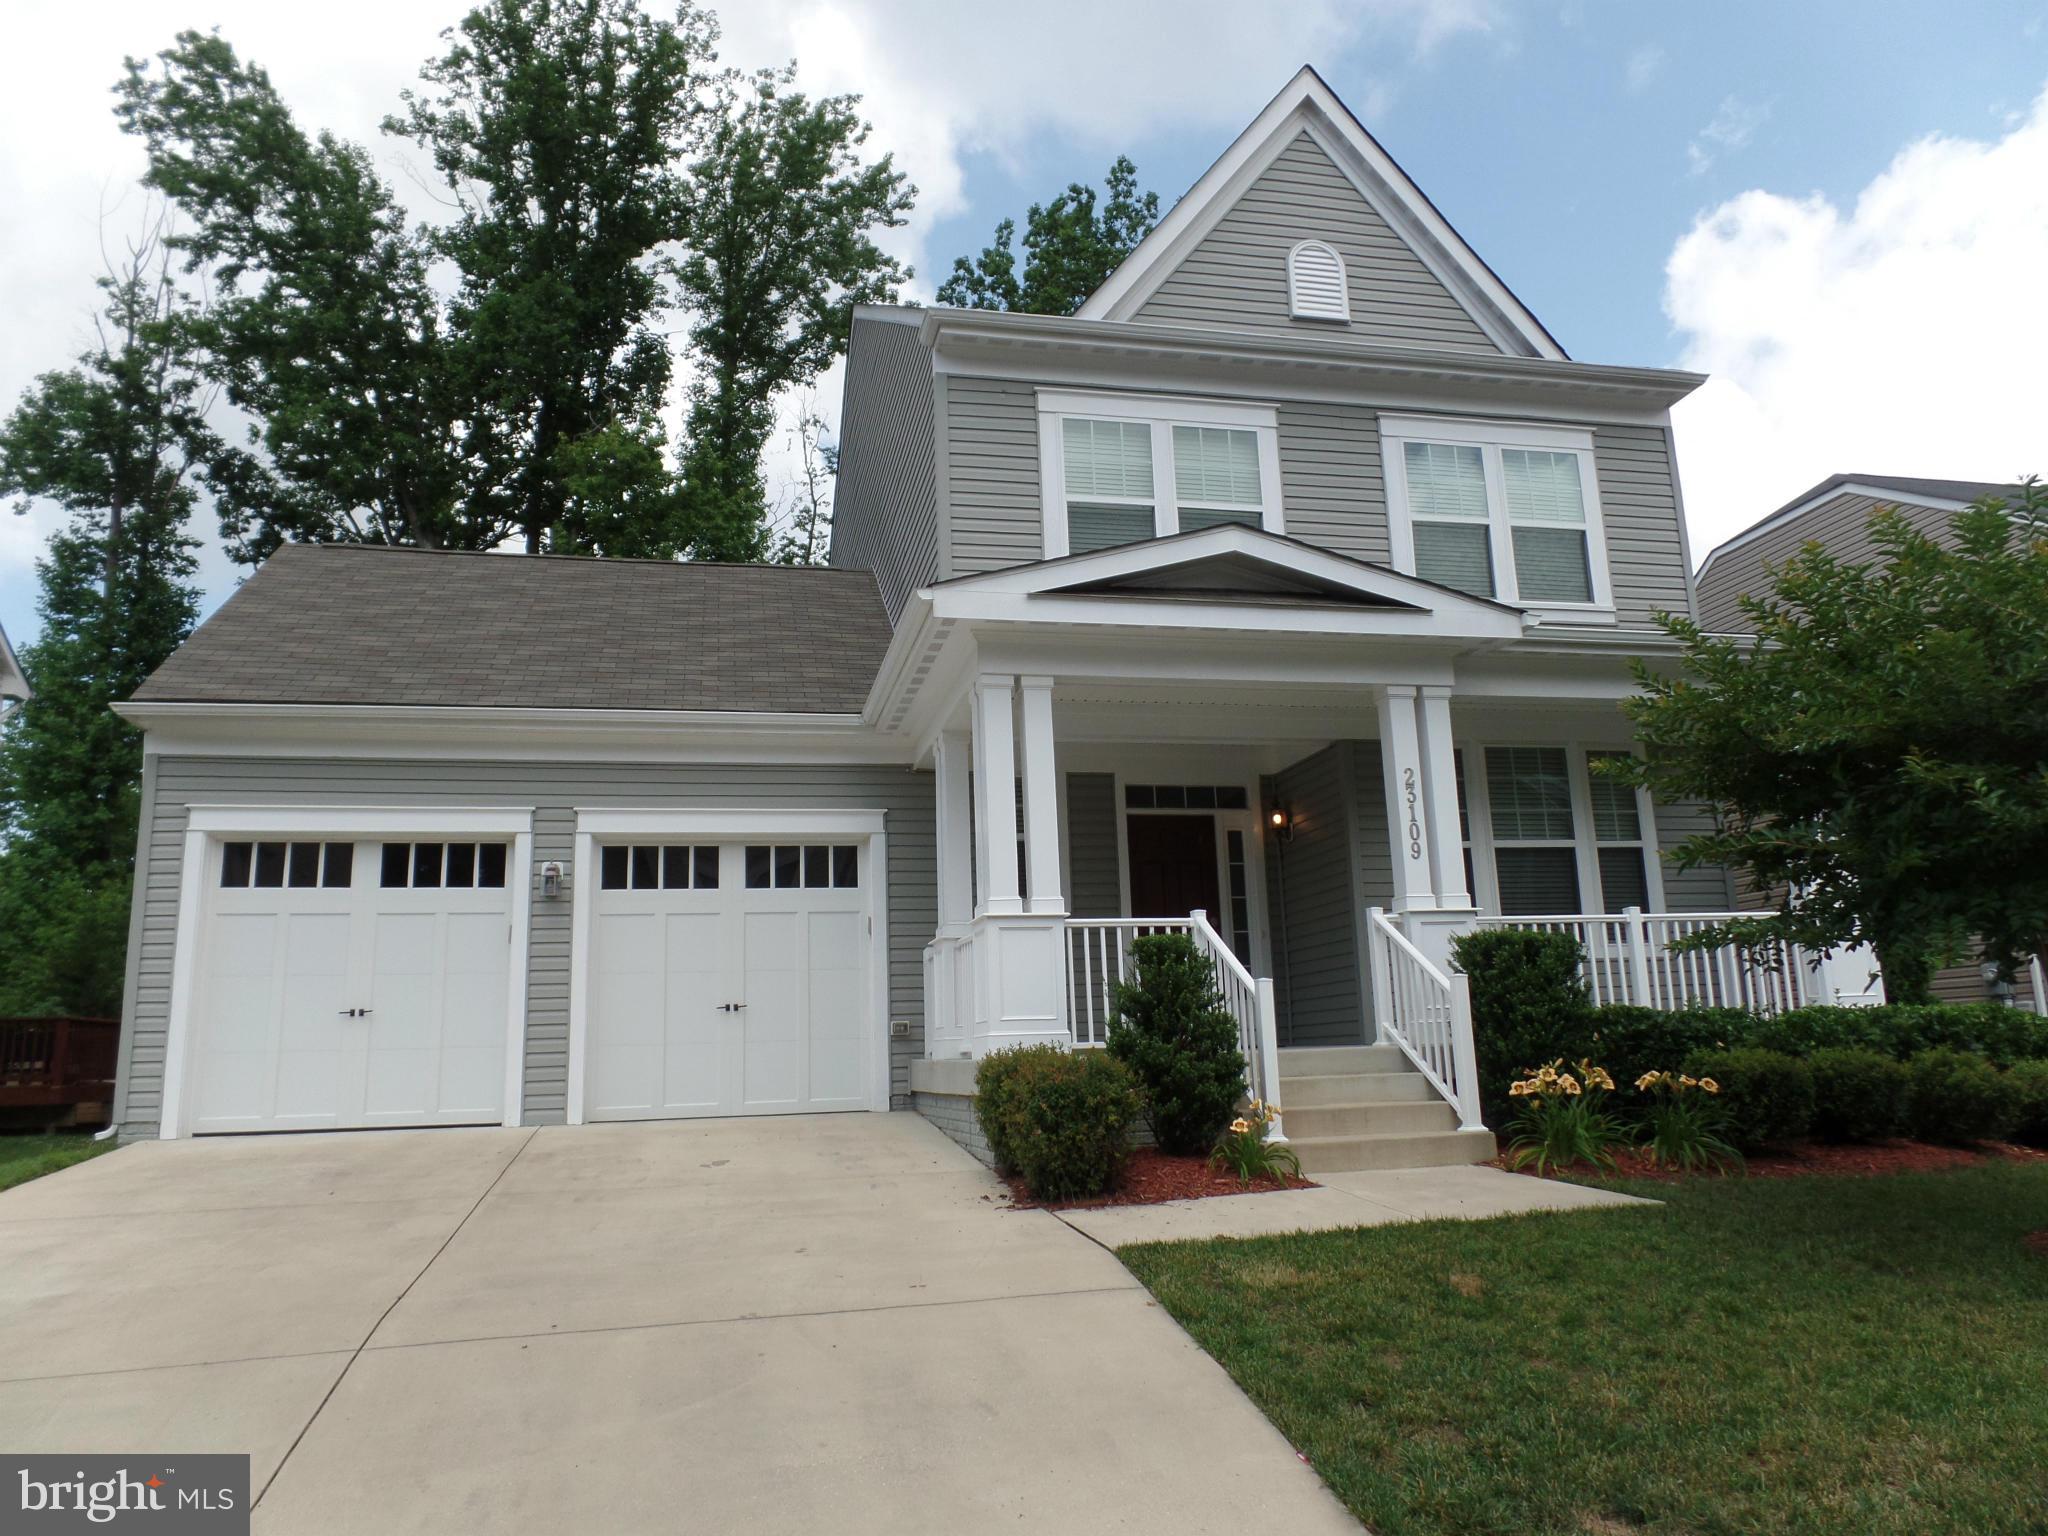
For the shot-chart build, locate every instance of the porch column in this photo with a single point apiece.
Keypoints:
(1407, 799)
(956, 832)
(1041, 797)
(995, 795)
(1440, 779)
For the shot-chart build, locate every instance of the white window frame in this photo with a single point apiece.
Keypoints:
(1490, 437)
(1585, 838)
(1161, 413)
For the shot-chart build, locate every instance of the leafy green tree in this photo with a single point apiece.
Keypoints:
(780, 251)
(111, 441)
(1881, 751)
(1070, 249)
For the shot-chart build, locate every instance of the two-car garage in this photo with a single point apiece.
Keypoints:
(355, 968)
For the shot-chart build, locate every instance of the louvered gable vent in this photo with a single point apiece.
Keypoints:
(1315, 283)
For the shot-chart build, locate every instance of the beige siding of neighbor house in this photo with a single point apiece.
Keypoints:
(1841, 523)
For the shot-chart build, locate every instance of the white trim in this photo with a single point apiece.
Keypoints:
(208, 824)
(1161, 413)
(1301, 309)
(1307, 104)
(724, 824)
(1490, 437)
(14, 683)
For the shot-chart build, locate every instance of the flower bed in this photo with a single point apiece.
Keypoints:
(1803, 1160)
(1151, 1176)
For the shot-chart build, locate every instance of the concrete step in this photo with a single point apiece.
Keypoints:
(1355, 1154)
(1368, 1119)
(1357, 1088)
(1323, 1060)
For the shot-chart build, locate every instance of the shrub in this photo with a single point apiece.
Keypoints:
(1686, 1125)
(1246, 1152)
(1900, 1030)
(1061, 1119)
(1953, 1096)
(1634, 1041)
(1171, 1029)
(1529, 1002)
(1858, 1095)
(2029, 1081)
(1563, 1118)
(1769, 1095)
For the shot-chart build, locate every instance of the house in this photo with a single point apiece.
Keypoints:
(14, 688)
(1836, 513)
(1284, 595)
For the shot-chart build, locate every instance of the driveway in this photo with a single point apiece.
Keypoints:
(806, 1324)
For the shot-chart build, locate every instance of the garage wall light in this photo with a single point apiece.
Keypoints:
(550, 881)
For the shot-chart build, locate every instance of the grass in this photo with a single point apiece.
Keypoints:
(1797, 1357)
(30, 1157)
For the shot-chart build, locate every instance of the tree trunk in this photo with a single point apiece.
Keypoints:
(1908, 977)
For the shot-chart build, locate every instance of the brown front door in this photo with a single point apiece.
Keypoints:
(1173, 866)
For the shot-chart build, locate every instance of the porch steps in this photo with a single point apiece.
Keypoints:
(1359, 1107)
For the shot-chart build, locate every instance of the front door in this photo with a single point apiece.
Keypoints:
(1173, 866)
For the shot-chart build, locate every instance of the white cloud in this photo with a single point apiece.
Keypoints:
(1891, 337)
(1733, 125)
(1642, 68)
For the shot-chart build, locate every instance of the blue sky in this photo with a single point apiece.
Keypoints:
(1840, 211)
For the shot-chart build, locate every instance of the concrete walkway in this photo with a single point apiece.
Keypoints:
(810, 1324)
(1343, 1200)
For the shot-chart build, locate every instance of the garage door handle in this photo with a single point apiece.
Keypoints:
(730, 1007)
(357, 1013)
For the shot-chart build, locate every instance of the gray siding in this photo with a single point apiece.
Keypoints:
(554, 790)
(1639, 499)
(1331, 485)
(991, 475)
(1236, 277)
(1314, 914)
(1094, 886)
(1841, 523)
(885, 515)
(1703, 889)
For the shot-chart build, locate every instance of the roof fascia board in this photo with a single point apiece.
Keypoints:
(14, 683)
(1305, 102)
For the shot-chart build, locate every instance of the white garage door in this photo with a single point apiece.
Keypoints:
(729, 978)
(348, 984)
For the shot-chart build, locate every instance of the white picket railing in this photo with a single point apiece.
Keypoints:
(1630, 959)
(1098, 957)
(1427, 1012)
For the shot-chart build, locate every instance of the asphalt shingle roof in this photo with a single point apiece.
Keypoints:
(357, 624)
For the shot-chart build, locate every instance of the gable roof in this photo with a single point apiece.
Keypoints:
(1307, 105)
(370, 625)
(1942, 495)
(13, 681)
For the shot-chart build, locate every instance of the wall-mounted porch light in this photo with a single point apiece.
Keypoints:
(1280, 821)
(550, 880)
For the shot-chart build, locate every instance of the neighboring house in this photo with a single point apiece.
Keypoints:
(1836, 513)
(1297, 575)
(14, 688)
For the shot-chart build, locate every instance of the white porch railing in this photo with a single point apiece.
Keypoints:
(1427, 1012)
(1099, 957)
(1629, 959)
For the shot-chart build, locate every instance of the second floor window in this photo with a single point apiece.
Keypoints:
(1499, 510)
(1119, 469)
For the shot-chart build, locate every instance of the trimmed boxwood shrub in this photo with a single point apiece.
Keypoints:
(2029, 1081)
(1060, 1119)
(1529, 1004)
(1858, 1095)
(1955, 1097)
(1629, 1041)
(1900, 1030)
(1170, 1027)
(1767, 1094)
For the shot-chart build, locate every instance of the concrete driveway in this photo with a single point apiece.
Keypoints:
(806, 1324)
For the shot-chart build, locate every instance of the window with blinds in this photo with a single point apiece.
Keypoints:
(1216, 477)
(1621, 849)
(1109, 484)
(1547, 521)
(1535, 845)
(1447, 509)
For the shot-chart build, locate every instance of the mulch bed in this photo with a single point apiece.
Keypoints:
(1150, 1176)
(1808, 1159)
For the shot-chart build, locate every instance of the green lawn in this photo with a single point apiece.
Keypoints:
(30, 1157)
(1811, 1357)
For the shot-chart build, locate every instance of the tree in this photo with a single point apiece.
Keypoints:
(1070, 249)
(1878, 752)
(805, 517)
(112, 441)
(779, 253)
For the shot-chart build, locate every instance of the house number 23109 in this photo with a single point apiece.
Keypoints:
(1414, 816)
